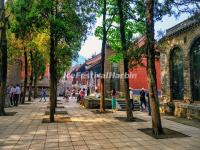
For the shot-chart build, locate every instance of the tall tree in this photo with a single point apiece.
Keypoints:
(120, 4)
(38, 68)
(105, 9)
(31, 76)
(155, 10)
(25, 75)
(52, 70)
(67, 22)
(151, 71)
(3, 51)
(21, 25)
(134, 20)
(102, 97)
(40, 45)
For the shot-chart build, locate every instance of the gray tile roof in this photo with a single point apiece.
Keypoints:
(194, 20)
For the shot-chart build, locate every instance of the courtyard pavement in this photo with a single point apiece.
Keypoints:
(86, 131)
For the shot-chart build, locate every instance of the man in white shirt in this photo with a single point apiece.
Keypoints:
(17, 94)
(13, 93)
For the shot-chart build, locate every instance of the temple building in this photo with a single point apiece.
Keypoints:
(87, 74)
(113, 82)
(180, 67)
(16, 74)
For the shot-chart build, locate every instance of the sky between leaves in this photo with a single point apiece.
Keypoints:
(93, 45)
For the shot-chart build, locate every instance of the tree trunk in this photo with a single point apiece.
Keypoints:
(56, 99)
(35, 87)
(31, 78)
(55, 84)
(55, 64)
(52, 73)
(125, 56)
(3, 50)
(151, 71)
(102, 99)
(26, 75)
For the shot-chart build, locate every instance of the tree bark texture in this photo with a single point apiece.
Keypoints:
(3, 51)
(55, 84)
(120, 4)
(52, 73)
(26, 75)
(31, 77)
(151, 71)
(103, 48)
(35, 86)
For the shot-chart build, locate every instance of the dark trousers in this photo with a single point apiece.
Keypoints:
(16, 99)
(11, 100)
(132, 104)
(143, 101)
(149, 107)
(43, 97)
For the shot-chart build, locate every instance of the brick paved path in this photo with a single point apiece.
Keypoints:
(87, 130)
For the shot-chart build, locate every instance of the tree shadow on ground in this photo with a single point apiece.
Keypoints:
(10, 113)
(26, 103)
(57, 107)
(57, 112)
(168, 133)
(58, 119)
(97, 111)
(124, 119)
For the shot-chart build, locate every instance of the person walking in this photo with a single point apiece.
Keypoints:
(67, 94)
(13, 91)
(17, 94)
(82, 95)
(73, 92)
(142, 99)
(42, 95)
(79, 96)
(131, 97)
(113, 94)
(64, 93)
(88, 91)
(11, 95)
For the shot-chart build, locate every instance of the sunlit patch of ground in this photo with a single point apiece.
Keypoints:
(57, 119)
(185, 121)
(64, 119)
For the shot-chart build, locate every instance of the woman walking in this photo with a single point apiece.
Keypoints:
(82, 95)
(113, 94)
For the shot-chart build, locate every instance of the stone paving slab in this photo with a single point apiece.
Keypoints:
(86, 131)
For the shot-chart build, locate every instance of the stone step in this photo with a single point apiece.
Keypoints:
(122, 105)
